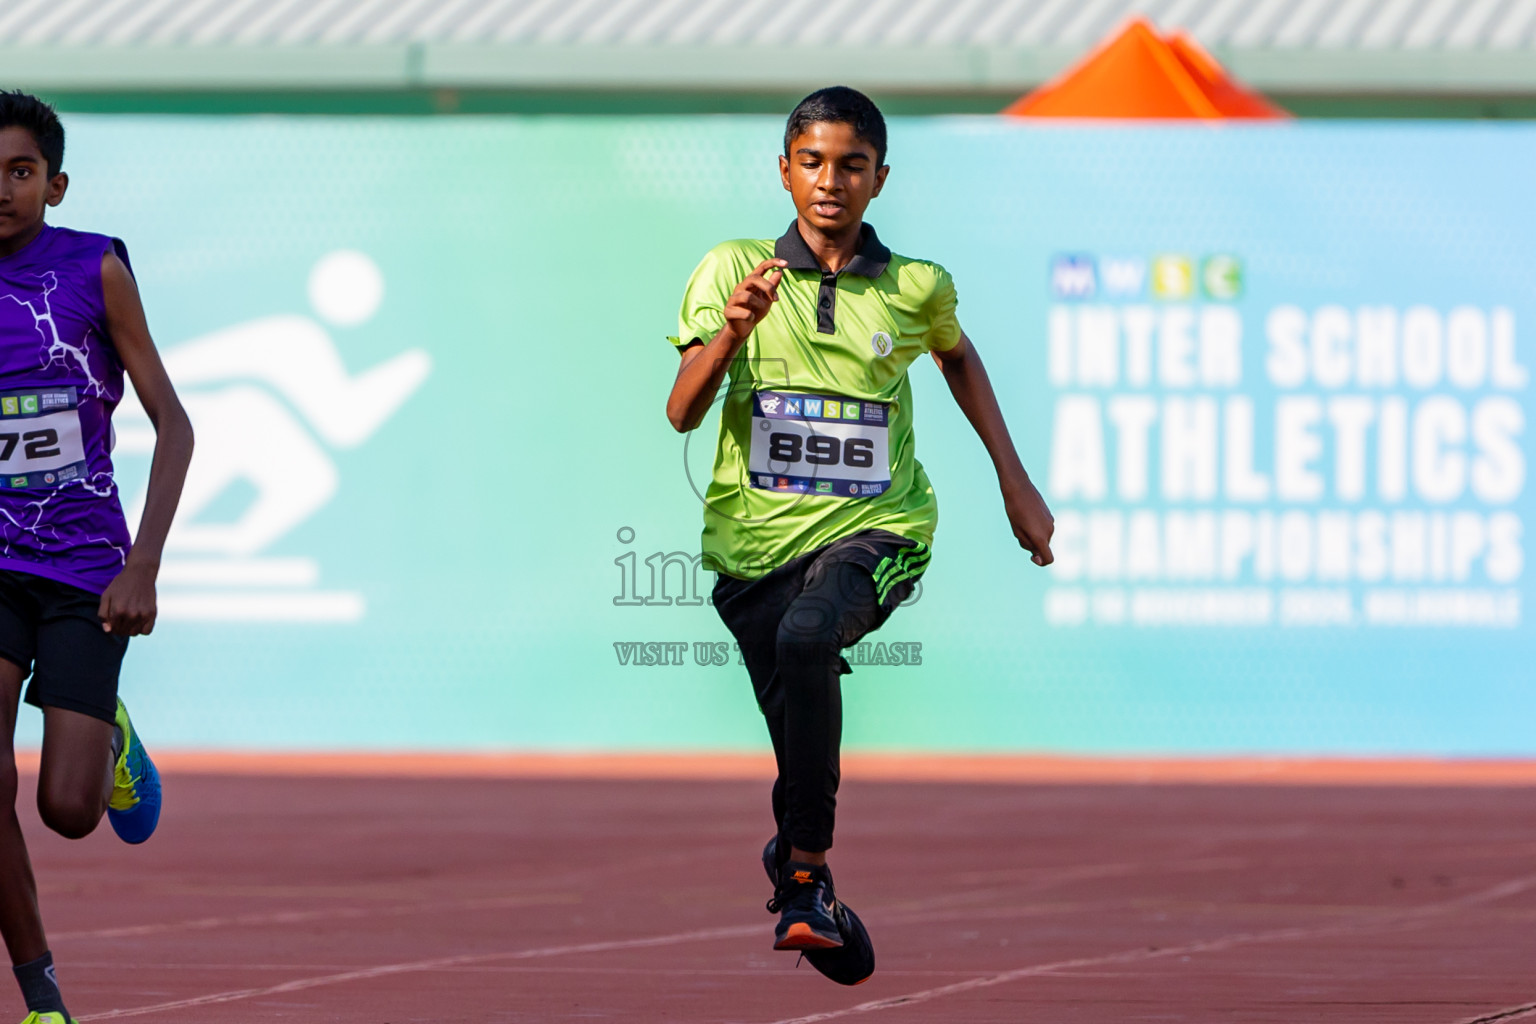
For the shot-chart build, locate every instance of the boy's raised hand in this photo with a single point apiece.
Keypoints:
(753, 298)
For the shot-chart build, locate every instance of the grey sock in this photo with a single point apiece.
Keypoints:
(40, 987)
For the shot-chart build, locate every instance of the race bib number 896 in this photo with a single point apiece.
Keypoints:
(820, 444)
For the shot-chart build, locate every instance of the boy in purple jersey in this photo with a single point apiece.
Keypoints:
(73, 585)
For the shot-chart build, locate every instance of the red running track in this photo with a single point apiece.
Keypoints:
(500, 900)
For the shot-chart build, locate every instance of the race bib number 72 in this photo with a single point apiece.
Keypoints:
(820, 444)
(40, 443)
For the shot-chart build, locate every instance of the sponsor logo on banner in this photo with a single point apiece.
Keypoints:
(1074, 276)
(813, 407)
(834, 410)
(1124, 277)
(770, 403)
(1173, 277)
(271, 399)
(1222, 278)
(792, 407)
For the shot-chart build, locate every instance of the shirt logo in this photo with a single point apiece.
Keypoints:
(881, 343)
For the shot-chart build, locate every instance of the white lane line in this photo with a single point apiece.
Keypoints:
(1500, 1016)
(282, 917)
(436, 963)
(558, 890)
(1410, 917)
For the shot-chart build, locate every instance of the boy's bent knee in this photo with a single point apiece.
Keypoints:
(811, 624)
(70, 815)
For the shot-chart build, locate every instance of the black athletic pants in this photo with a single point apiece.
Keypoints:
(792, 625)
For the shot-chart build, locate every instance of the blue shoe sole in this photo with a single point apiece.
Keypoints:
(138, 822)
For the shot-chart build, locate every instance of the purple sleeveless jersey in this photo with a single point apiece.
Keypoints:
(60, 379)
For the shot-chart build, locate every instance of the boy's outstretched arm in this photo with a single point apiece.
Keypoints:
(128, 604)
(1027, 513)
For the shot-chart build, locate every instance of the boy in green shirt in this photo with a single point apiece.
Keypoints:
(819, 517)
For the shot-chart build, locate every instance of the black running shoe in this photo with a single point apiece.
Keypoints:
(806, 907)
(853, 962)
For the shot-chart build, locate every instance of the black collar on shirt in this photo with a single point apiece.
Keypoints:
(870, 261)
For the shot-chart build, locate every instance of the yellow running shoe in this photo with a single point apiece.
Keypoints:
(47, 1018)
(134, 808)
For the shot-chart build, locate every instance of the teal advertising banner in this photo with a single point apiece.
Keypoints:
(1273, 380)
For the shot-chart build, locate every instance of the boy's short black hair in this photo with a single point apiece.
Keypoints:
(23, 110)
(841, 105)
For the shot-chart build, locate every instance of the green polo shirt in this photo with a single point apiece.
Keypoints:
(816, 439)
